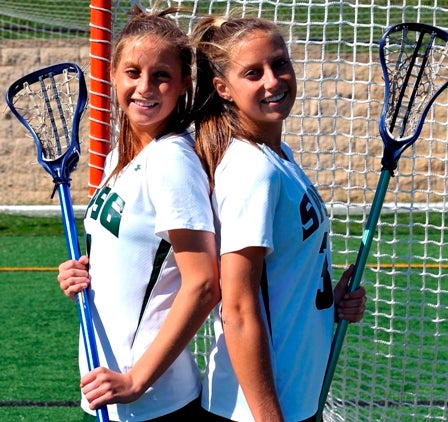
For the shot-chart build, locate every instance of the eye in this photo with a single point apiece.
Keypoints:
(253, 74)
(162, 75)
(281, 63)
(132, 72)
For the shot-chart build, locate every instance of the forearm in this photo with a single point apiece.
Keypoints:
(195, 254)
(245, 333)
(248, 347)
(189, 310)
(102, 386)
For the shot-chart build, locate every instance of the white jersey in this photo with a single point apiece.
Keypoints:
(134, 276)
(263, 200)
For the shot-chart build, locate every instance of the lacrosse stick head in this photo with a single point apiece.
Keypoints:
(414, 61)
(49, 103)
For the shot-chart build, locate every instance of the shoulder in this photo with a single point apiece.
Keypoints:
(247, 158)
(243, 146)
(243, 153)
(173, 159)
(175, 141)
(245, 167)
(172, 150)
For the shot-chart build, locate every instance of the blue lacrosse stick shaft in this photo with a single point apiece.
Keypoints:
(85, 316)
(354, 283)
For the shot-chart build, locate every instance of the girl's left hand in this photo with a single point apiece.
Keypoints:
(349, 306)
(102, 386)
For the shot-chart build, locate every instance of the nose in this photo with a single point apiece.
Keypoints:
(144, 85)
(271, 78)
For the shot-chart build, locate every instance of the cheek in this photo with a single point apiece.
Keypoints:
(246, 101)
(172, 93)
(124, 87)
(121, 97)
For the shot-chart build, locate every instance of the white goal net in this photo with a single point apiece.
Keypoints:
(394, 364)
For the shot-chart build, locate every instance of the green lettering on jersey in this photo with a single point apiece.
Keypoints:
(111, 213)
(108, 207)
(97, 201)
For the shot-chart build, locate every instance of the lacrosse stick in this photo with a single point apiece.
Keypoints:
(414, 61)
(49, 103)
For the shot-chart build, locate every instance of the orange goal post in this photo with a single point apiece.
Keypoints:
(100, 88)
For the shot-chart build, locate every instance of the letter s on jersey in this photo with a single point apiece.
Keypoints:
(311, 219)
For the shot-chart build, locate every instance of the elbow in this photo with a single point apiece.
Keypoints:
(209, 292)
(213, 292)
(241, 314)
(234, 317)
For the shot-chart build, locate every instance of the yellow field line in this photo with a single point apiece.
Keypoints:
(25, 269)
(401, 265)
(382, 266)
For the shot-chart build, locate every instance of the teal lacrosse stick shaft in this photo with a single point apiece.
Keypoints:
(415, 43)
(354, 283)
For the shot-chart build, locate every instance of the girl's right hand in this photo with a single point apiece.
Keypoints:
(74, 276)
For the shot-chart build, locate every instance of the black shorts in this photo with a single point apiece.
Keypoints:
(192, 411)
(210, 417)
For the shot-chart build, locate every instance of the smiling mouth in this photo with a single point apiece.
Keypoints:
(144, 103)
(275, 98)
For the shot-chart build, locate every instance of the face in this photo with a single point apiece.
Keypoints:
(148, 82)
(261, 82)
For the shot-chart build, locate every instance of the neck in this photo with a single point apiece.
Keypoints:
(269, 133)
(278, 150)
(275, 147)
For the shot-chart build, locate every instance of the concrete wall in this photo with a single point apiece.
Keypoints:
(342, 104)
(23, 180)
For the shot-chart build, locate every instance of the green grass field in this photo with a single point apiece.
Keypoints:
(40, 326)
(39, 379)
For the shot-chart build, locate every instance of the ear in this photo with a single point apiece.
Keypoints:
(112, 78)
(222, 89)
